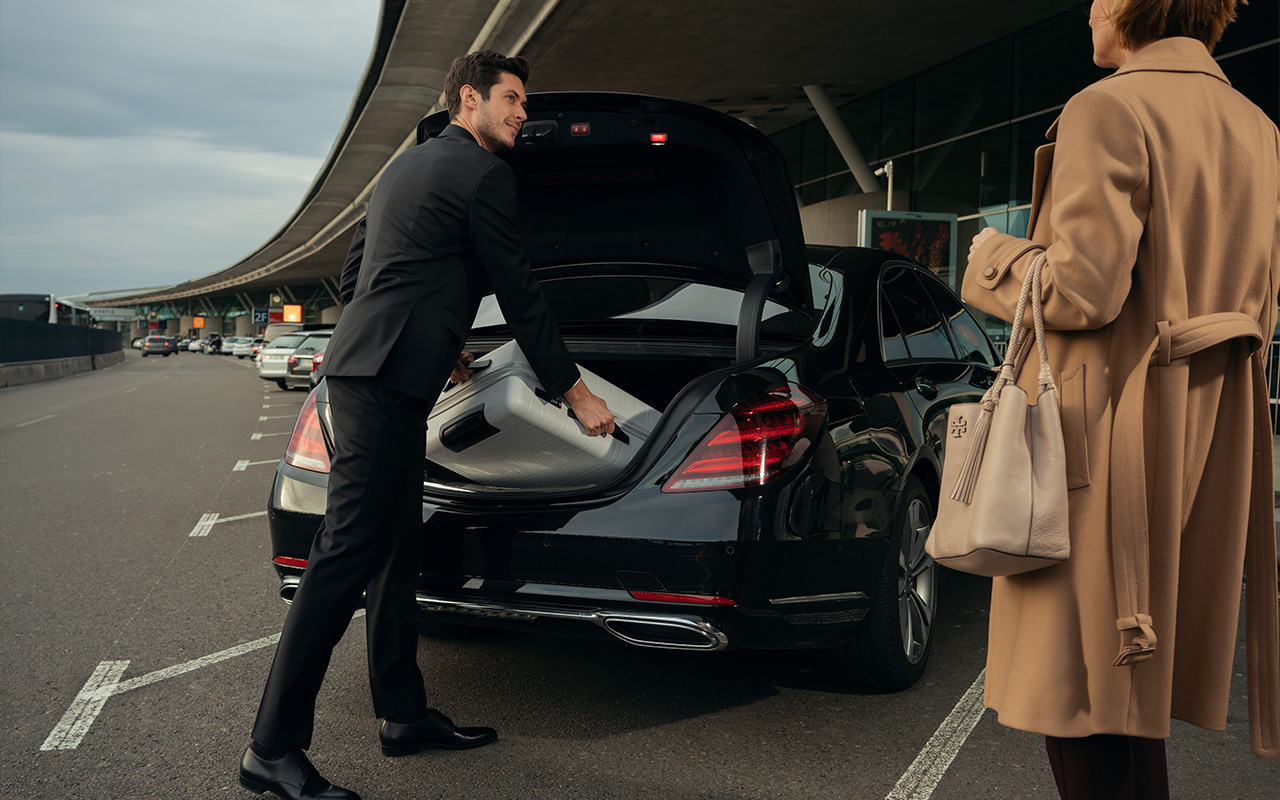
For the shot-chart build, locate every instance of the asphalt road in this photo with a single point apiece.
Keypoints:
(103, 479)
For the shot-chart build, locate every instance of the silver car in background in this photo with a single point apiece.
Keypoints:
(273, 360)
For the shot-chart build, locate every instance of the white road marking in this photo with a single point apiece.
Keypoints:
(241, 466)
(258, 436)
(922, 777)
(34, 421)
(207, 522)
(126, 391)
(86, 707)
(105, 682)
(277, 416)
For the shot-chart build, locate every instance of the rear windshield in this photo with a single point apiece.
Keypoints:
(287, 340)
(636, 297)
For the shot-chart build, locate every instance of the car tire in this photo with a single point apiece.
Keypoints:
(282, 384)
(431, 626)
(144, 353)
(891, 647)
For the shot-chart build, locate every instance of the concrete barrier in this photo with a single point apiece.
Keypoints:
(23, 372)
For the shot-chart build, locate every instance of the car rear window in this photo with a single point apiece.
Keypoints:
(647, 297)
(287, 340)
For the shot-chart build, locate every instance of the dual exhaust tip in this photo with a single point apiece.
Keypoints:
(664, 631)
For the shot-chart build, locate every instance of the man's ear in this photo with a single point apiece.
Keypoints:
(469, 96)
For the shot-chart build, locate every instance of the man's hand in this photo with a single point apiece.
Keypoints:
(460, 372)
(590, 410)
(982, 236)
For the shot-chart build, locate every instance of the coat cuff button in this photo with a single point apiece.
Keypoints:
(989, 272)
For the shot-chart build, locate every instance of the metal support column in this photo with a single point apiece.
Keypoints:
(843, 139)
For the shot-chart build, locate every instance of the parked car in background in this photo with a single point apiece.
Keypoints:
(159, 345)
(784, 496)
(137, 343)
(298, 375)
(273, 361)
(183, 344)
(197, 345)
(244, 346)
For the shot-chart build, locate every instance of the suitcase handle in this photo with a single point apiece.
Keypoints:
(474, 366)
(618, 432)
(467, 431)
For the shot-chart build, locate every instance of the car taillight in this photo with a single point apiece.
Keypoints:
(317, 361)
(293, 361)
(756, 442)
(289, 561)
(307, 449)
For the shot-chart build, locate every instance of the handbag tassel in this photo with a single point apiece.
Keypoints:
(967, 478)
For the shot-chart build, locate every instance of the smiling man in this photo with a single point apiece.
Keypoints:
(441, 233)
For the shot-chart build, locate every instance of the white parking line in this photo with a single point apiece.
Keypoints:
(105, 682)
(207, 522)
(241, 466)
(277, 416)
(922, 777)
(258, 436)
(34, 421)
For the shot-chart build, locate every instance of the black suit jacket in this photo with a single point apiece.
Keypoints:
(441, 232)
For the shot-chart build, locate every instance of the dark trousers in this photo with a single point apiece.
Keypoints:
(369, 542)
(1106, 767)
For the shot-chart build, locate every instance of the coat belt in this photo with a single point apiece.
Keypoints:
(1130, 543)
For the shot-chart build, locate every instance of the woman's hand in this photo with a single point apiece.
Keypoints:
(983, 235)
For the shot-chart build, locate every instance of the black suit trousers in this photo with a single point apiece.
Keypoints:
(369, 542)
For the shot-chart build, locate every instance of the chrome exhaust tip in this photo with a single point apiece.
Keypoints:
(288, 588)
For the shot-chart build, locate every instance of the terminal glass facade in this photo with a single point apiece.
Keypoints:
(962, 135)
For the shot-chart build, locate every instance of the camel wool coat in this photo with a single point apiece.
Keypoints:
(1157, 204)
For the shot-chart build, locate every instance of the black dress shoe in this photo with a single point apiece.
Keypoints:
(291, 776)
(433, 730)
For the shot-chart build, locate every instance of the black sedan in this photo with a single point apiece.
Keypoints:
(784, 497)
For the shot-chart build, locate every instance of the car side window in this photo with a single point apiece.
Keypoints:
(828, 296)
(919, 325)
(969, 339)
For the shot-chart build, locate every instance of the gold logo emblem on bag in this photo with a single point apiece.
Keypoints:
(959, 427)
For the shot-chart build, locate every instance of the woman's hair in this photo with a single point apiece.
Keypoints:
(480, 70)
(1136, 22)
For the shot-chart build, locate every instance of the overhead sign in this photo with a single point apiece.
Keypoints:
(261, 316)
(292, 313)
(275, 315)
(113, 314)
(197, 322)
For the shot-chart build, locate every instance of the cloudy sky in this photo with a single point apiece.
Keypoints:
(146, 142)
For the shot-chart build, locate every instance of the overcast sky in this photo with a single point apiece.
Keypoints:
(147, 142)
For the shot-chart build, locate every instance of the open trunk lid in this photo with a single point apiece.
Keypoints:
(609, 177)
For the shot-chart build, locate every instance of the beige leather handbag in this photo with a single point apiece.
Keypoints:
(1003, 508)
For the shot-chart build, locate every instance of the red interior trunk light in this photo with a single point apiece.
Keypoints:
(759, 440)
(658, 138)
(290, 561)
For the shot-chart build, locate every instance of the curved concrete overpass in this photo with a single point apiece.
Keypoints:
(749, 58)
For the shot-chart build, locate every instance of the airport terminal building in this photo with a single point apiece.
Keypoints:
(944, 101)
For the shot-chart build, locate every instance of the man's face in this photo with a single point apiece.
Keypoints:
(498, 119)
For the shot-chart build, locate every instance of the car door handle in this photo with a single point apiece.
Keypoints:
(927, 388)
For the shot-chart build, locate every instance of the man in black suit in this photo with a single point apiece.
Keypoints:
(441, 232)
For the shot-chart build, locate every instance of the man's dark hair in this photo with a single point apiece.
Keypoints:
(480, 70)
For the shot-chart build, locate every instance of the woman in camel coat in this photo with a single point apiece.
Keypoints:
(1157, 204)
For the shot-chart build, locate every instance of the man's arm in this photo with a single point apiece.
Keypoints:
(351, 265)
(495, 235)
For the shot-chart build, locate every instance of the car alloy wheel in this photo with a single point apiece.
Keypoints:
(890, 649)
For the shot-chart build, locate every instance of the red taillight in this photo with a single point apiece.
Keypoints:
(293, 361)
(307, 449)
(657, 138)
(759, 440)
(288, 561)
(316, 362)
(671, 597)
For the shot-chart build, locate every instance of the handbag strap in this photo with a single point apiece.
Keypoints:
(1015, 357)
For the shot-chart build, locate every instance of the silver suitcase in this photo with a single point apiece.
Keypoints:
(499, 429)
